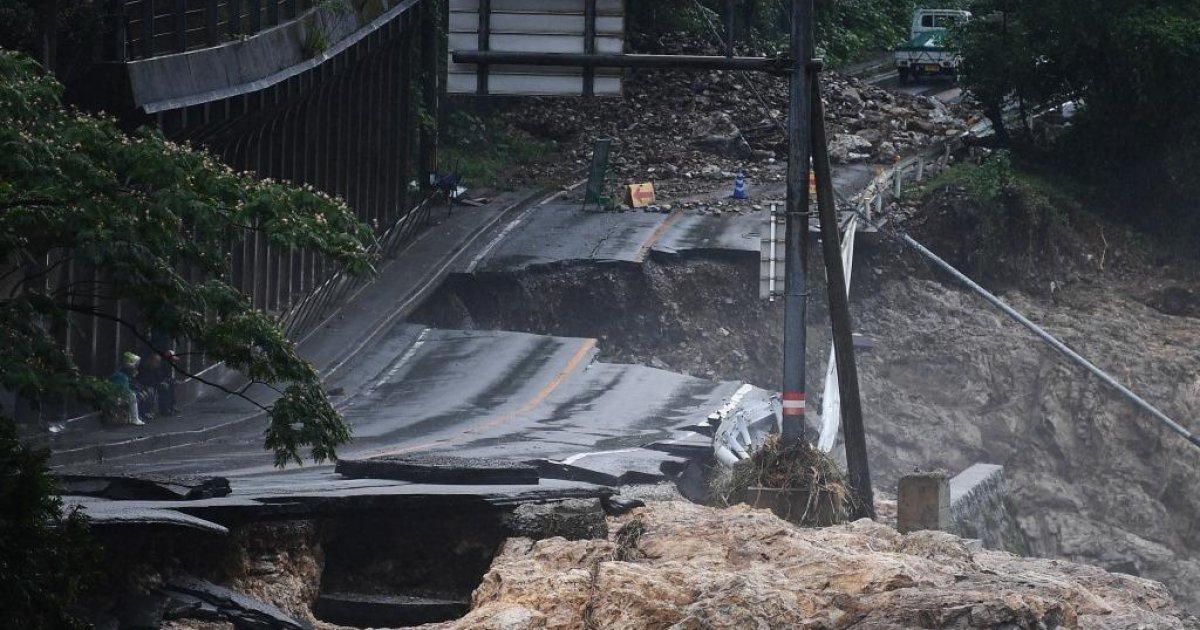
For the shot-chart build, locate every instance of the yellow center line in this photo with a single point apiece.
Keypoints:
(577, 359)
(658, 233)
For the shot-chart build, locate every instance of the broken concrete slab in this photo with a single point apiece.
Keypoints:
(386, 611)
(573, 519)
(616, 468)
(102, 513)
(440, 470)
(192, 595)
(144, 487)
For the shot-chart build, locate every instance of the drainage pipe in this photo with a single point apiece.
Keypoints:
(1053, 342)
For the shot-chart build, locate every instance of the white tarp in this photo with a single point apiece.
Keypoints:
(831, 400)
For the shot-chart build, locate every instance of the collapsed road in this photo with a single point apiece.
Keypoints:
(423, 390)
(543, 417)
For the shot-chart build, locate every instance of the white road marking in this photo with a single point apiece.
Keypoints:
(574, 458)
(509, 228)
(404, 358)
(499, 237)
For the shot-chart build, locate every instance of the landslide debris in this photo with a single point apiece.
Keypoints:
(690, 132)
(692, 567)
(946, 380)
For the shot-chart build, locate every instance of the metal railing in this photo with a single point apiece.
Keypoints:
(354, 129)
(148, 28)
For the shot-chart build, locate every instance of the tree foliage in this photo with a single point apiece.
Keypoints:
(845, 31)
(46, 556)
(156, 220)
(1130, 64)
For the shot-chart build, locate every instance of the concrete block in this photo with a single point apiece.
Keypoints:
(923, 502)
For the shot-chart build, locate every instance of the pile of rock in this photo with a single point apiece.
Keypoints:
(695, 127)
(679, 565)
(868, 123)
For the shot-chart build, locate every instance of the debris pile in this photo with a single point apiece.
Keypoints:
(796, 466)
(679, 565)
(690, 132)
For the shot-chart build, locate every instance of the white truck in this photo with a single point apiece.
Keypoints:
(925, 53)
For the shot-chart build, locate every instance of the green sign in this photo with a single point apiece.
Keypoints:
(597, 173)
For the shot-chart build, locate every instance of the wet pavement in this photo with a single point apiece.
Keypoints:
(409, 390)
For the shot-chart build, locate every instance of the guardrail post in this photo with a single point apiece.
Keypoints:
(181, 25)
(210, 23)
(920, 169)
(118, 30)
(255, 17)
(897, 181)
(235, 18)
(147, 29)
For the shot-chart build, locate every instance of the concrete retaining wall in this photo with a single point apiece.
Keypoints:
(979, 509)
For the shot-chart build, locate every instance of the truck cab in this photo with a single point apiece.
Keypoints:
(925, 20)
(925, 53)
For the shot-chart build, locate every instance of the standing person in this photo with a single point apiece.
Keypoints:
(123, 378)
(157, 375)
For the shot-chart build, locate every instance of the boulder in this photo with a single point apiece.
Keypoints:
(846, 147)
(874, 136)
(719, 135)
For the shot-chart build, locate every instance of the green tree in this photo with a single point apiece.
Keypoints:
(156, 218)
(46, 556)
(1130, 65)
(845, 30)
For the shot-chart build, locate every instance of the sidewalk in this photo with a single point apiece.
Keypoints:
(403, 282)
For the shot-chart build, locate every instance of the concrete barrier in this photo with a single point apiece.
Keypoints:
(979, 509)
(973, 505)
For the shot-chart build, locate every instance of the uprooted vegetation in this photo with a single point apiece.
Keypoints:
(794, 467)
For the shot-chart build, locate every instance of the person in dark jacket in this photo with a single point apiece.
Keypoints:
(157, 376)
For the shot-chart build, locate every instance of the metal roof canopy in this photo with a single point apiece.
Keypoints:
(581, 27)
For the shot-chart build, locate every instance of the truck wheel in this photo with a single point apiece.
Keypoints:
(905, 75)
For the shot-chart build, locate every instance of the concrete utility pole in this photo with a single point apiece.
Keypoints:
(796, 245)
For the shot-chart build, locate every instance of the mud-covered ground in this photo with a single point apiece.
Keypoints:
(947, 380)
(689, 132)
